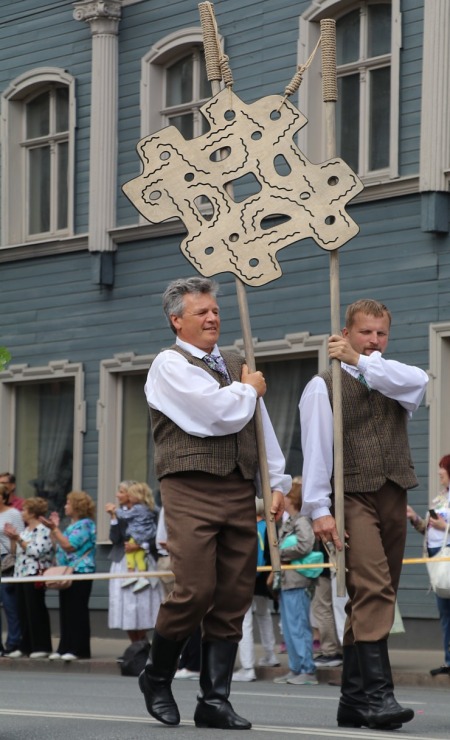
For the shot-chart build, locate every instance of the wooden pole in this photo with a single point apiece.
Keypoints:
(214, 72)
(329, 90)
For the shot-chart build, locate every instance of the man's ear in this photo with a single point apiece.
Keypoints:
(175, 321)
(344, 332)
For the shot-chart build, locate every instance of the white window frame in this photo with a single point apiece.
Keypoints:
(14, 169)
(312, 138)
(17, 375)
(109, 405)
(438, 401)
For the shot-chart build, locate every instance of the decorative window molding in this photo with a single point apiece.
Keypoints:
(437, 399)
(17, 157)
(312, 136)
(435, 108)
(17, 376)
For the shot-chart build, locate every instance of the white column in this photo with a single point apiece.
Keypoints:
(103, 17)
(435, 122)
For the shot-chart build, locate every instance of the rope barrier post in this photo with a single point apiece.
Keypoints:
(217, 70)
(329, 93)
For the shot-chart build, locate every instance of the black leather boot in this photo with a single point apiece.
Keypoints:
(383, 709)
(353, 705)
(156, 679)
(213, 708)
(353, 708)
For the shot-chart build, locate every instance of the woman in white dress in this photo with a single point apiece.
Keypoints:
(131, 611)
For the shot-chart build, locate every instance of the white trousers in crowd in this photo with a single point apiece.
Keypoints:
(261, 610)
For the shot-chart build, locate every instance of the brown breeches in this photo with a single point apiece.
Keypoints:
(211, 532)
(376, 524)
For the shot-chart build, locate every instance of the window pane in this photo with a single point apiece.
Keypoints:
(347, 38)
(205, 85)
(379, 118)
(379, 40)
(347, 120)
(44, 440)
(286, 381)
(62, 109)
(137, 445)
(62, 186)
(38, 116)
(39, 189)
(184, 124)
(179, 82)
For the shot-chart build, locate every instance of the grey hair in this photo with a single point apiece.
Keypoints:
(173, 297)
(127, 483)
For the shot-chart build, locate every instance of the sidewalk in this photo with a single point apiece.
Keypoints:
(409, 667)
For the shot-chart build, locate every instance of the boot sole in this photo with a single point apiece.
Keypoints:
(205, 725)
(357, 725)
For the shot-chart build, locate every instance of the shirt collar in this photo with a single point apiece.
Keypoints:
(195, 351)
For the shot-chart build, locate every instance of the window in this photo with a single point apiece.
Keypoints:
(125, 440)
(186, 88)
(123, 422)
(363, 46)
(38, 163)
(46, 146)
(175, 85)
(42, 443)
(286, 380)
(367, 111)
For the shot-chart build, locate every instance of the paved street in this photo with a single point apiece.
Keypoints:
(48, 705)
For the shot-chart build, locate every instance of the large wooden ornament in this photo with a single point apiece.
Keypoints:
(206, 182)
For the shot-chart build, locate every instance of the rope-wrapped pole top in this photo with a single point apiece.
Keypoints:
(217, 63)
(329, 77)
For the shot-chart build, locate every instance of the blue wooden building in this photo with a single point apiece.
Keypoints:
(82, 272)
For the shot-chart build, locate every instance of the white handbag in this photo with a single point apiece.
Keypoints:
(439, 573)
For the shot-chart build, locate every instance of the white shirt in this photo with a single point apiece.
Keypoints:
(436, 537)
(202, 408)
(9, 516)
(403, 383)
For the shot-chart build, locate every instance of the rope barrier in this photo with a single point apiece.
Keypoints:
(160, 573)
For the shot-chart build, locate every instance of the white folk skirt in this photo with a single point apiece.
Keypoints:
(132, 611)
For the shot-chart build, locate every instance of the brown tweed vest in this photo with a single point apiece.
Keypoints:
(376, 446)
(178, 452)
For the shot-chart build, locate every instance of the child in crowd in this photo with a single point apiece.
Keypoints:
(141, 520)
(296, 593)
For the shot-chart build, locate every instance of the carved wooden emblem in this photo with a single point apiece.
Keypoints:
(243, 190)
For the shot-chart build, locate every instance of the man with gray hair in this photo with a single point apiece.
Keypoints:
(202, 405)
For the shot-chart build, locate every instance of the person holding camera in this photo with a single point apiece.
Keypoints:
(434, 527)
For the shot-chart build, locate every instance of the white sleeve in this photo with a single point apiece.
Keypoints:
(403, 383)
(316, 421)
(279, 481)
(194, 400)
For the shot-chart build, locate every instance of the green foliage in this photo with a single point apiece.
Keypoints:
(5, 357)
